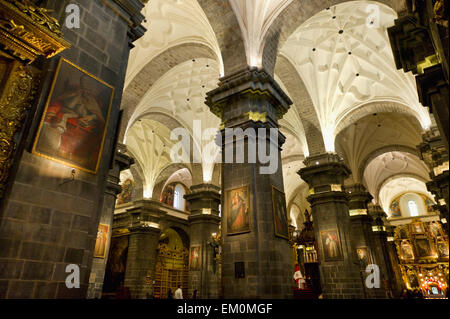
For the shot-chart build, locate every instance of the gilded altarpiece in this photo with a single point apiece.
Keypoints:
(26, 32)
(423, 252)
(171, 270)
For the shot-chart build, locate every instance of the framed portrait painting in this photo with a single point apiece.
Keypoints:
(331, 245)
(195, 258)
(280, 218)
(364, 258)
(442, 247)
(100, 242)
(423, 247)
(417, 228)
(238, 210)
(406, 250)
(75, 119)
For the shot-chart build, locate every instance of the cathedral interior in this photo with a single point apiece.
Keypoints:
(118, 118)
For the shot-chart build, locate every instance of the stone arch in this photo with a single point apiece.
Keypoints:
(164, 175)
(373, 108)
(292, 17)
(153, 70)
(392, 177)
(298, 92)
(390, 148)
(228, 34)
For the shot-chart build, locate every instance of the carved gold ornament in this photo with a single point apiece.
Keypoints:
(16, 98)
(27, 31)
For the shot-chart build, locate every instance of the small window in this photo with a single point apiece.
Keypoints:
(413, 210)
(178, 201)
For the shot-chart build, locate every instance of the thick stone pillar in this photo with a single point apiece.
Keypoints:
(339, 270)
(362, 235)
(434, 153)
(256, 262)
(143, 242)
(381, 244)
(204, 221)
(96, 278)
(397, 285)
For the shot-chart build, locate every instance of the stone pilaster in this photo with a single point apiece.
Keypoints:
(339, 270)
(121, 162)
(361, 232)
(144, 236)
(381, 245)
(251, 100)
(204, 221)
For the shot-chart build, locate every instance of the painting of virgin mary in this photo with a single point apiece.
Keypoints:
(238, 220)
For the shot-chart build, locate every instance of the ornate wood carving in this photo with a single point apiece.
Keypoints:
(19, 89)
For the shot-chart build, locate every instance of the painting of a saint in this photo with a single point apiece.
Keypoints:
(100, 242)
(280, 218)
(423, 248)
(331, 245)
(238, 217)
(394, 209)
(435, 229)
(116, 266)
(128, 192)
(73, 126)
(194, 258)
(443, 249)
(363, 257)
(407, 251)
(417, 228)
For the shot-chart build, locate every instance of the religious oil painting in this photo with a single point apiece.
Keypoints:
(238, 210)
(195, 258)
(363, 257)
(406, 250)
(100, 242)
(417, 228)
(280, 219)
(74, 122)
(331, 245)
(442, 247)
(424, 249)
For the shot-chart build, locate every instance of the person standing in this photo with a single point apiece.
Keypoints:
(179, 293)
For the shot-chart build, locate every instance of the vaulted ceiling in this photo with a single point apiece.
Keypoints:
(345, 65)
(346, 62)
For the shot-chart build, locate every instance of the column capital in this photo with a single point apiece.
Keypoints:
(146, 214)
(325, 172)
(204, 199)
(359, 197)
(251, 83)
(132, 9)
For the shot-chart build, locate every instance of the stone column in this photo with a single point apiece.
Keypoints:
(256, 262)
(381, 244)
(361, 232)
(143, 241)
(204, 221)
(339, 269)
(121, 162)
(434, 153)
(397, 281)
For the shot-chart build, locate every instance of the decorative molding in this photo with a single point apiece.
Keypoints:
(15, 99)
(27, 31)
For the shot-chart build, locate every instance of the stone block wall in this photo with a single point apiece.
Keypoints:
(48, 221)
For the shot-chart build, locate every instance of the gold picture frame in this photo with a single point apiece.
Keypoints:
(238, 210)
(101, 241)
(73, 126)
(280, 217)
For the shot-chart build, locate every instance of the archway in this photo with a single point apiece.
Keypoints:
(172, 263)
